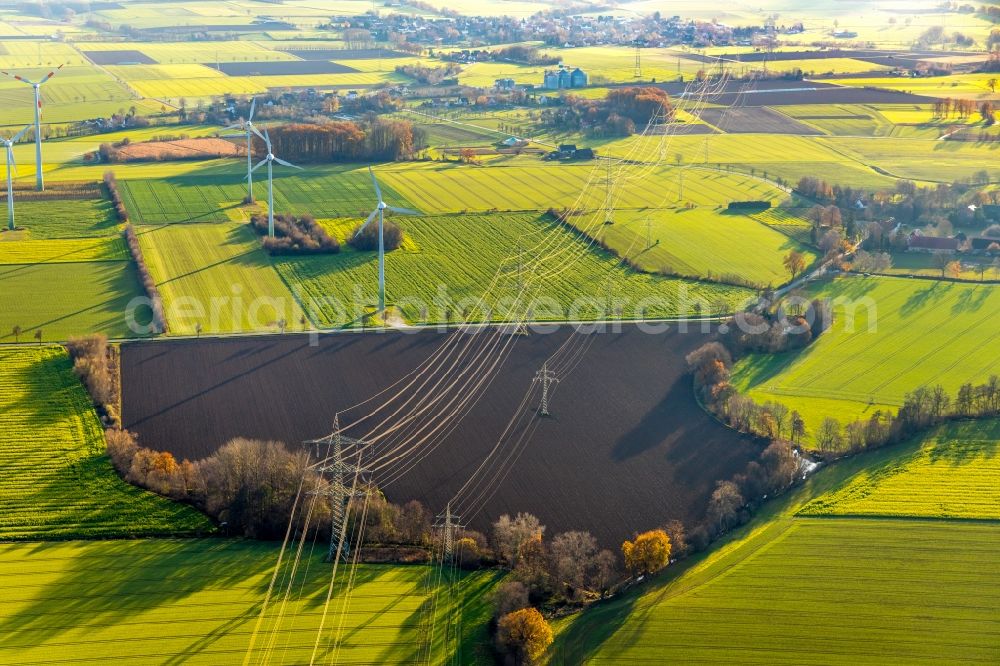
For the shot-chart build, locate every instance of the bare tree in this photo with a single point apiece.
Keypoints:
(573, 558)
(510, 534)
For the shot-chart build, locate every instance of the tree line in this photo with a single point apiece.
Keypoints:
(376, 139)
(619, 113)
(159, 317)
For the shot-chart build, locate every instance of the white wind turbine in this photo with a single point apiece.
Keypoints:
(380, 213)
(247, 126)
(269, 159)
(39, 181)
(11, 169)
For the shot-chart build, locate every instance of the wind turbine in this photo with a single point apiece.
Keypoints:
(39, 181)
(11, 168)
(269, 159)
(380, 213)
(247, 126)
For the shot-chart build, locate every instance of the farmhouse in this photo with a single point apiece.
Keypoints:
(932, 244)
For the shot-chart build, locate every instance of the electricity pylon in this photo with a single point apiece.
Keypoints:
(546, 378)
(338, 486)
(448, 523)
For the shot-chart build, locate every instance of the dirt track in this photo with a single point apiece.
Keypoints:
(627, 447)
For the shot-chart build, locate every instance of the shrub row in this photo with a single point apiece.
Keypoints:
(93, 364)
(112, 184)
(148, 284)
(294, 235)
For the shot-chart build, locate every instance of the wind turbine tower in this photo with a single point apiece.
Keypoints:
(11, 169)
(39, 180)
(247, 126)
(379, 212)
(269, 159)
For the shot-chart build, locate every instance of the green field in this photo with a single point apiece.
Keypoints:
(218, 276)
(197, 601)
(463, 253)
(800, 590)
(890, 336)
(57, 482)
(974, 268)
(699, 242)
(216, 194)
(951, 473)
(328, 191)
(58, 218)
(35, 296)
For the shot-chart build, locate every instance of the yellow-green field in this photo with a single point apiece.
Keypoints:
(795, 589)
(216, 276)
(889, 337)
(57, 482)
(953, 472)
(704, 241)
(198, 602)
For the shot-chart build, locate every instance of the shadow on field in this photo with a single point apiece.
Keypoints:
(108, 583)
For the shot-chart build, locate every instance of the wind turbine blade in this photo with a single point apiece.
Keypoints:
(18, 136)
(253, 105)
(378, 190)
(403, 211)
(367, 222)
(51, 74)
(16, 76)
(256, 131)
(259, 165)
(287, 164)
(232, 136)
(238, 126)
(11, 164)
(267, 140)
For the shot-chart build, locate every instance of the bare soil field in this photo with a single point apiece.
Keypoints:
(781, 92)
(281, 68)
(627, 446)
(182, 149)
(754, 120)
(122, 57)
(346, 54)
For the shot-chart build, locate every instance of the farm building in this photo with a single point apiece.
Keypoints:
(504, 84)
(932, 244)
(558, 79)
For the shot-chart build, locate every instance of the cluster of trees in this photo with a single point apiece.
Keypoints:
(111, 183)
(777, 329)
(294, 235)
(619, 113)
(366, 240)
(526, 55)
(941, 207)
(92, 363)
(247, 484)
(568, 569)
(965, 108)
(379, 139)
(430, 76)
(148, 283)
(871, 262)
